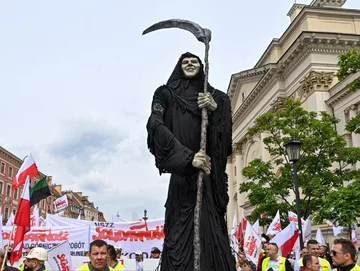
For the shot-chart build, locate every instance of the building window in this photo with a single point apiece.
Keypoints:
(10, 172)
(15, 194)
(1, 186)
(8, 191)
(6, 215)
(2, 169)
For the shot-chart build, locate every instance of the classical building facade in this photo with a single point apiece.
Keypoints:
(301, 64)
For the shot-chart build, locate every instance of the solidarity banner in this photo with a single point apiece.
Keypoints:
(130, 236)
(61, 203)
(48, 238)
(59, 257)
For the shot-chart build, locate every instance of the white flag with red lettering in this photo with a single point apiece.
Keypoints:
(286, 239)
(252, 244)
(293, 218)
(61, 203)
(34, 217)
(59, 257)
(275, 225)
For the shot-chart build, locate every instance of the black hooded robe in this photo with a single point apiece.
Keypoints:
(174, 131)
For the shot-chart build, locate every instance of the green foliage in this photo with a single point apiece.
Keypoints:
(322, 149)
(349, 63)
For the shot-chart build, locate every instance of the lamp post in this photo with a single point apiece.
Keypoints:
(293, 152)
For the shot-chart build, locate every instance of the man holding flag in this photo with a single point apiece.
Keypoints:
(22, 222)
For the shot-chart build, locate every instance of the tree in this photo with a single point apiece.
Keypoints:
(270, 183)
(349, 63)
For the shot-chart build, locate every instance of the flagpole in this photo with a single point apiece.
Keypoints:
(7, 247)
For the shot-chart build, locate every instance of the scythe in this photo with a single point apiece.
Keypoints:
(202, 35)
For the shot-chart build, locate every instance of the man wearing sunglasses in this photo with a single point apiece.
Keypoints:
(343, 255)
(313, 249)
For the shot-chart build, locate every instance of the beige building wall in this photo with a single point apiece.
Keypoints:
(301, 64)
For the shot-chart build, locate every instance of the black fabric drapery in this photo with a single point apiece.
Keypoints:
(174, 130)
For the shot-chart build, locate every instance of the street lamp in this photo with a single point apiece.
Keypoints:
(293, 152)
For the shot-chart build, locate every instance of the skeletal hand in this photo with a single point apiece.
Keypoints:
(202, 161)
(206, 100)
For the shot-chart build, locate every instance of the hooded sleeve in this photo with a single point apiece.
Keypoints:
(170, 155)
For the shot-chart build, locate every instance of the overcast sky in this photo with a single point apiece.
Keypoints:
(77, 79)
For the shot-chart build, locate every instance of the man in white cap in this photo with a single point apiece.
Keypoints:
(139, 261)
(35, 260)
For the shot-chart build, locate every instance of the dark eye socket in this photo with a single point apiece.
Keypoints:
(194, 61)
(185, 61)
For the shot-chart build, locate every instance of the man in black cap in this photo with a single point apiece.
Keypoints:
(155, 253)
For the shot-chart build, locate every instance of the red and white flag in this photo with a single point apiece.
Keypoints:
(353, 234)
(252, 244)
(240, 232)
(286, 239)
(22, 222)
(275, 225)
(28, 168)
(293, 217)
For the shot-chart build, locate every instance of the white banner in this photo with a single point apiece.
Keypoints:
(59, 257)
(131, 236)
(48, 238)
(61, 203)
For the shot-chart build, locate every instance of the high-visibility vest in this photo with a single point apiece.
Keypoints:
(355, 268)
(118, 266)
(281, 264)
(85, 267)
(324, 264)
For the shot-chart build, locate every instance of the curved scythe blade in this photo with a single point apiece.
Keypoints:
(202, 34)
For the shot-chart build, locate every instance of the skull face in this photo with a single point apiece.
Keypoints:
(190, 66)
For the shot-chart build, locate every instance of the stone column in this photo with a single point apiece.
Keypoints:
(354, 137)
(230, 208)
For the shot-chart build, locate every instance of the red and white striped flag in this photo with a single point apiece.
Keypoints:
(28, 168)
(286, 239)
(22, 222)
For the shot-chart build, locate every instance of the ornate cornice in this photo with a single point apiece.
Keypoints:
(278, 104)
(9, 157)
(294, 8)
(229, 159)
(328, 3)
(245, 75)
(315, 81)
(237, 149)
(341, 90)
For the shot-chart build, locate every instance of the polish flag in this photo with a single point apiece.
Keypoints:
(28, 168)
(240, 232)
(22, 222)
(286, 239)
(275, 225)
